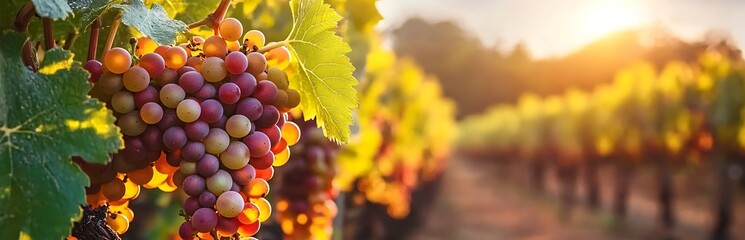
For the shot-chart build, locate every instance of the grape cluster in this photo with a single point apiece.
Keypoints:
(207, 116)
(306, 195)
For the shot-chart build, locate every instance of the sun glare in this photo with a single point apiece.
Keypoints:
(604, 18)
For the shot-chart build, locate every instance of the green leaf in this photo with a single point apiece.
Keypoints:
(324, 72)
(45, 119)
(153, 22)
(54, 9)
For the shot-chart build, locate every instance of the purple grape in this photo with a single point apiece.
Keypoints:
(169, 119)
(186, 231)
(236, 62)
(274, 134)
(249, 107)
(258, 144)
(152, 138)
(263, 162)
(212, 111)
(282, 120)
(134, 149)
(174, 158)
(191, 82)
(227, 226)
(235, 187)
(207, 199)
(185, 69)
(194, 185)
(174, 138)
(265, 91)
(95, 68)
(204, 220)
(206, 92)
(246, 82)
(208, 165)
(191, 205)
(167, 76)
(269, 117)
(229, 93)
(192, 151)
(244, 175)
(220, 123)
(197, 130)
(178, 178)
(149, 94)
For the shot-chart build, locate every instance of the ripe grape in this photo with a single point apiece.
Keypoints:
(169, 119)
(204, 220)
(171, 95)
(191, 82)
(141, 176)
(167, 76)
(118, 223)
(207, 199)
(250, 107)
(280, 101)
(278, 77)
(207, 91)
(269, 117)
(246, 82)
(208, 165)
(291, 133)
(212, 111)
(136, 79)
(236, 62)
(117, 60)
(113, 190)
(236, 156)
(123, 102)
(131, 124)
(194, 185)
(197, 130)
(153, 63)
(263, 162)
(231, 29)
(279, 57)
(188, 110)
(162, 50)
(149, 94)
(220, 182)
(256, 63)
(229, 204)
(175, 58)
(213, 69)
(95, 68)
(188, 168)
(243, 175)
(195, 62)
(227, 226)
(216, 141)
(191, 205)
(229, 93)
(144, 46)
(174, 138)
(152, 138)
(215, 46)
(265, 209)
(254, 38)
(192, 151)
(257, 188)
(234, 46)
(151, 113)
(293, 98)
(186, 230)
(238, 126)
(265, 92)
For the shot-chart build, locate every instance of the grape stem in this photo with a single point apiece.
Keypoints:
(48, 38)
(69, 40)
(271, 46)
(112, 33)
(21, 25)
(93, 42)
(213, 19)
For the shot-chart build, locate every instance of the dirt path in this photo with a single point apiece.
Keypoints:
(474, 205)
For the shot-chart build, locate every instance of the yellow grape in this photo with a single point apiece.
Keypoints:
(233, 46)
(141, 176)
(158, 178)
(186, 48)
(118, 205)
(161, 50)
(281, 158)
(118, 223)
(131, 190)
(265, 209)
(195, 62)
(144, 46)
(231, 29)
(249, 229)
(250, 213)
(127, 212)
(175, 58)
(215, 46)
(291, 133)
(278, 57)
(254, 38)
(136, 79)
(257, 188)
(168, 185)
(123, 102)
(113, 190)
(117, 60)
(162, 165)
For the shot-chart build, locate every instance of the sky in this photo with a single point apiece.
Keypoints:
(556, 27)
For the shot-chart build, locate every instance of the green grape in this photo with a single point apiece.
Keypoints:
(131, 124)
(188, 110)
(238, 126)
(151, 113)
(171, 95)
(278, 77)
(123, 102)
(110, 83)
(188, 168)
(213, 69)
(217, 141)
(236, 156)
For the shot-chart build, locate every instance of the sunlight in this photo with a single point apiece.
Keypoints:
(602, 18)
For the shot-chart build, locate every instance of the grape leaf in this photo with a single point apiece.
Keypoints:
(153, 22)
(324, 72)
(54, 9)
(46, 118)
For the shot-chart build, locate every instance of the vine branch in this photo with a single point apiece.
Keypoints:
(271, 46)
(93, 42)
(48, 37)
(213, 19)
(112, 33)
(69, 40)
